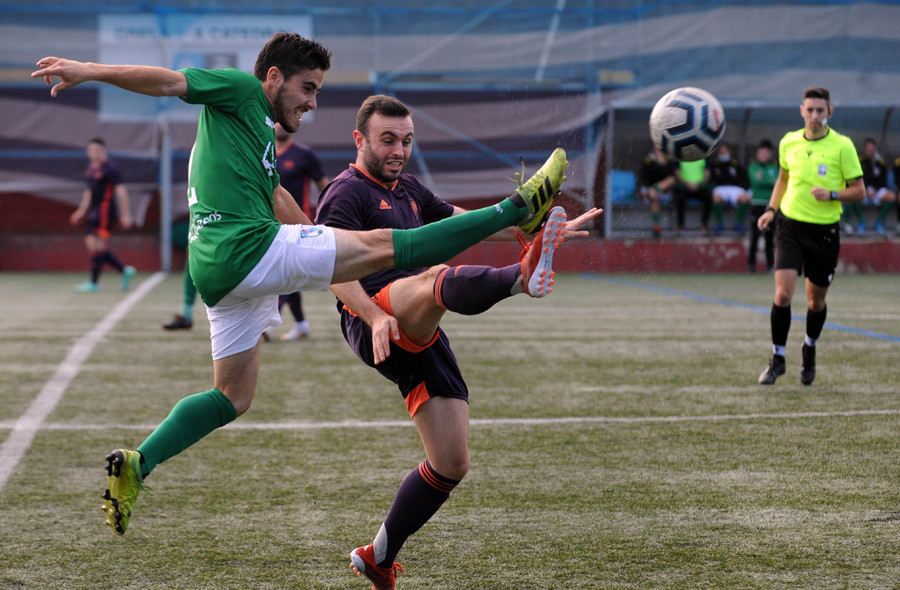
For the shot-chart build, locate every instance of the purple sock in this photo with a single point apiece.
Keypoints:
(295, 304)
(113, 260)
(471, 290)
(419, 497)
(96, 267)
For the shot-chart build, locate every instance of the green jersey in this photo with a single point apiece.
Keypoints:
(693, 171)
(829, 162)
(762, 181)
(231, 179)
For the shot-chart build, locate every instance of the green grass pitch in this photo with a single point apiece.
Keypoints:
(649, 457)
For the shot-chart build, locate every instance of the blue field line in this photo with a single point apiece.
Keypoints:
(760, 309)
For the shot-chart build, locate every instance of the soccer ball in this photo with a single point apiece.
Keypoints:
(687, 124)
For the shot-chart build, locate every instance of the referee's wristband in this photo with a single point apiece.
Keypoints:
(770, 208)
(833, 196)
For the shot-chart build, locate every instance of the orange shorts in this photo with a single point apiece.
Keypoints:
(383, 300)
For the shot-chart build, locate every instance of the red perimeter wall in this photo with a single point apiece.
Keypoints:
(35, 235)
(48, 252)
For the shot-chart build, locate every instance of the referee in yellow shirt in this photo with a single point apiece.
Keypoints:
(819, 171)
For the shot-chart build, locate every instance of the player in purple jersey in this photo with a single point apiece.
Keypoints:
(104, 201)
(375, 193)
(297, 165)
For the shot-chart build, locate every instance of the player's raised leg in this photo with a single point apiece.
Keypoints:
(362, 253)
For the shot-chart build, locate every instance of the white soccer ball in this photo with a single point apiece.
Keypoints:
(687, 124)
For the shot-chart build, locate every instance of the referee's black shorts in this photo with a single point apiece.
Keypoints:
(809, 248)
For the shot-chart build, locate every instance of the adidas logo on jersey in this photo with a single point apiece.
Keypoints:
(384, 205)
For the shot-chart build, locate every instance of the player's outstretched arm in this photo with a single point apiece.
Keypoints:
(149, 80)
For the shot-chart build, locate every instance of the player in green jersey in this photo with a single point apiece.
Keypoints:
(249, 240)
(819, 171)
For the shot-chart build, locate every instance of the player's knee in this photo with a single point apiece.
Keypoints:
(816, 303)
(433, 272)
(456, 468)
(240, 399)
(241, 406)
(783, 299)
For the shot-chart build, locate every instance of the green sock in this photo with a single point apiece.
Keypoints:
(190, 292)
(438, 242)
(654, 217)
(741, 213)
(717, 211)
(856, 210)
(885, 209)
(191, 419)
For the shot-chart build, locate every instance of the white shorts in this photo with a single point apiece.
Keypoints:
(877, 197)
(301, 258)
(729, 194)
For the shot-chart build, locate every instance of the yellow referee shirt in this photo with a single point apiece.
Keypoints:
(830, 162)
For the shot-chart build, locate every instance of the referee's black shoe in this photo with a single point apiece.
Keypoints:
(776, 368)
(808, 372)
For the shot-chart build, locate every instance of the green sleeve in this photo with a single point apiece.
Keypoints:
(850, 165)
(222, 89)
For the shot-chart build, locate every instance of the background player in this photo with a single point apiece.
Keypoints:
(657, 178)
(297, 166)
(185, 319)
(373, 193)
(246, 241)
(762, 172)
(819, 171)
(104, 201)
(875, 177)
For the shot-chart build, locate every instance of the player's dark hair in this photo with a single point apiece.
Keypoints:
(97, 140)
(765, 143)
(291, 54)
(871, 140)
(817, 92)
(386, 106)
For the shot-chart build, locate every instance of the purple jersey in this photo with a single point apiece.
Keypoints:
(101, 181)
(296, 166)
(355, 201)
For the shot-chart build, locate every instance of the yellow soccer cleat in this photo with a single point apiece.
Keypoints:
(539, 191)
(124, 485)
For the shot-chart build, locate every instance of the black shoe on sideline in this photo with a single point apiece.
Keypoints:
(179, 322)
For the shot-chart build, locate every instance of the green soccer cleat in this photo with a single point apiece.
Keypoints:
(540, 190)
(124, 485)
(127, 274)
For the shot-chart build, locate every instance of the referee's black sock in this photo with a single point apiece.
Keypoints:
(781, 324)
(815, 320)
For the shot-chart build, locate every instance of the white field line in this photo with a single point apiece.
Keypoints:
(26, 427)
(477, 422)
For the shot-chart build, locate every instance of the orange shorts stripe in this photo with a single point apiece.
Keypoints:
(416, 398)
(383, 300)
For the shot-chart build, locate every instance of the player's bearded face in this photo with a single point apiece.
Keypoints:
(387, 147)
(386, 168)
(296, 96)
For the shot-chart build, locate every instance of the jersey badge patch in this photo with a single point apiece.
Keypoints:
(384, 205)
(823, 170)
(310, 231)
